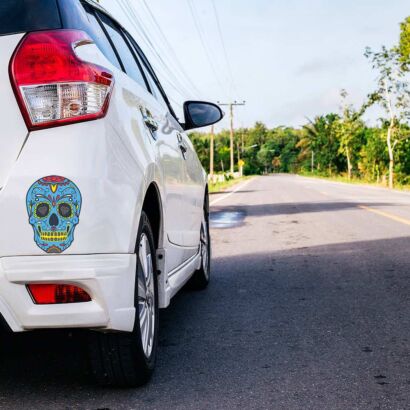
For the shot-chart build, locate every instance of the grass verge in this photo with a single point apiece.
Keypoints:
(223, 186)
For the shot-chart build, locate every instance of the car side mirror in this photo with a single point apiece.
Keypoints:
(200, 114)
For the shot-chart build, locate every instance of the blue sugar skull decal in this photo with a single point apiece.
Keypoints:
(54, 206)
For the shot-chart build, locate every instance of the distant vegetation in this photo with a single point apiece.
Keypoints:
(335, 144)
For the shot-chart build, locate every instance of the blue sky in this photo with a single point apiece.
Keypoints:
(289, 59)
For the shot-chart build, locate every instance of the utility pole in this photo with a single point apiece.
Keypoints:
(231, 105)
(313, 161)
(211, 159)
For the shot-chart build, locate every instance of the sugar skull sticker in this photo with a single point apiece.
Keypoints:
(54, 206)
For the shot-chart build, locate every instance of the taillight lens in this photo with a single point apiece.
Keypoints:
(53, 86)
(47, 294)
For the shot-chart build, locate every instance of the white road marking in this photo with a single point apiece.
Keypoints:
(228, 194)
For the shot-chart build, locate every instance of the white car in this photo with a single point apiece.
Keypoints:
(103, 201)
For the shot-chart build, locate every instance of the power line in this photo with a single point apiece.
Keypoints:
(170, 74)
(153, 47)
(227, 60)
(172, 78)
(199, 30)
(171, 49)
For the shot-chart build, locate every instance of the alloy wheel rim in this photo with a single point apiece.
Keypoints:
(146, 295)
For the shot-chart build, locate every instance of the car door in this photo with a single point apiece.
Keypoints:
(194, 191)
(181, 217)
(144, 125)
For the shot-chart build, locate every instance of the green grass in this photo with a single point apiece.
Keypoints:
(223, 186)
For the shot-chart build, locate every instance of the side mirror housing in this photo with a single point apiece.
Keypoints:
(201, 114)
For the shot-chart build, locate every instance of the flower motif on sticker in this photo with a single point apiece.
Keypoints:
(54, 206)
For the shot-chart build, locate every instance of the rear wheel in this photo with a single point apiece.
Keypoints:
(201, 278)
(128, 359)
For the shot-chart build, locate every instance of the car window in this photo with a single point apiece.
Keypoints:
(101, 39)
(127, 57)
(155, 90)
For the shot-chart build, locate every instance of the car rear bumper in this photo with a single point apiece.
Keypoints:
(109, 279)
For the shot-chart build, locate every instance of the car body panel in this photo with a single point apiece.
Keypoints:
(13, 129)
(113, 161)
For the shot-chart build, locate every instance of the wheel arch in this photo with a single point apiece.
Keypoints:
(152, 206)
(206, 199)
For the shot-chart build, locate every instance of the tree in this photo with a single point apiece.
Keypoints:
(348, 130)
(373, 154)
(393, 95)
(404, 44)
(321, 139)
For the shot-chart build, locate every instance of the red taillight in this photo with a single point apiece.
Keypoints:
(45, 294)
(53, 86)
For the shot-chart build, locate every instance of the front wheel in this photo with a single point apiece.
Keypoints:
(128, 359)
(201, 278)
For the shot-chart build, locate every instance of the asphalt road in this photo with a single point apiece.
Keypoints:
(309, 308)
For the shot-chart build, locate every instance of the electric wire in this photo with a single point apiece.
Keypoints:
(221, 36)
(178, 87)
(171, 49)
(167, 75)
(199, 30)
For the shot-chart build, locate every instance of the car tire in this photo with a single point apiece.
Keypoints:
(201, 278)
(128, 359)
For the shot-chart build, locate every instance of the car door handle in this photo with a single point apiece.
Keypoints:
(181, 145)
(151, 123)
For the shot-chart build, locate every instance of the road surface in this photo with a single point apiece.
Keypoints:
(309, 308)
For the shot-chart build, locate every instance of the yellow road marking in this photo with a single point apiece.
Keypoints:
(386, 215)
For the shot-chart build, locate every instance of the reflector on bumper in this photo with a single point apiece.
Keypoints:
(48, 294)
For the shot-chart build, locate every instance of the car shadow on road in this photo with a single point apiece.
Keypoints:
(325, 325)
(293, 208)
(43, 357)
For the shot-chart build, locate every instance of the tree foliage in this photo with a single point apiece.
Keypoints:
(393, 95)
(404, 43)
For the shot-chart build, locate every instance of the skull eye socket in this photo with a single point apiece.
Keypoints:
(65, 210)
(42, 210)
